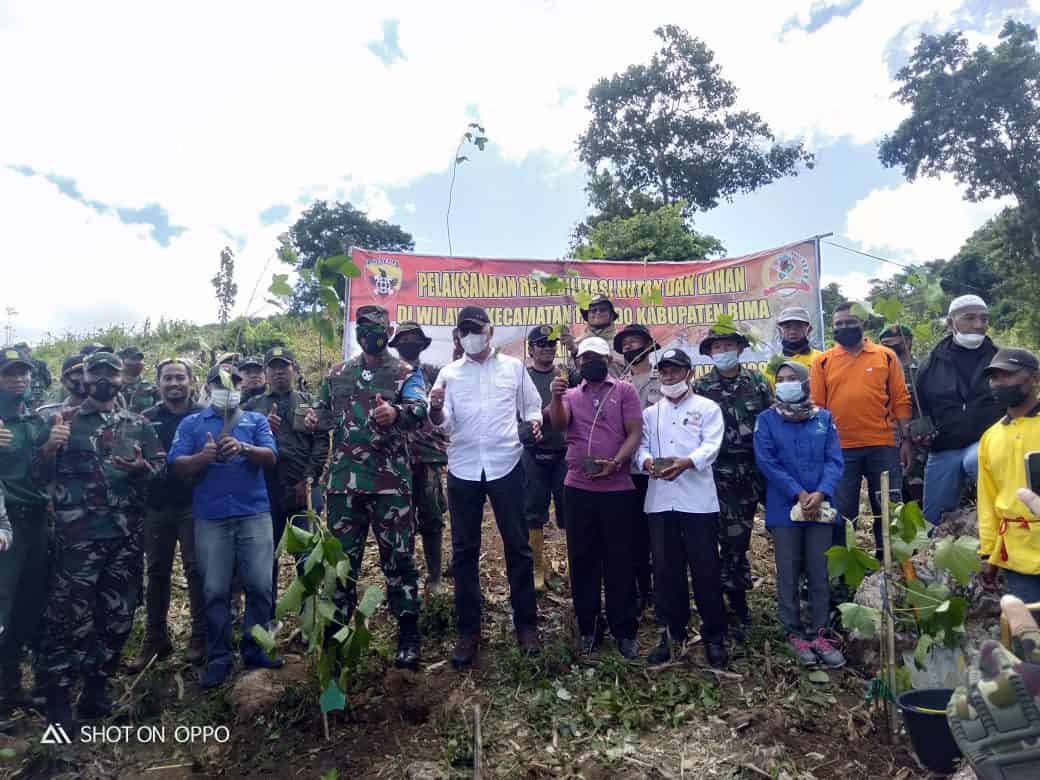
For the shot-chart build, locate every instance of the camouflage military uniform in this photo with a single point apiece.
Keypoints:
(913, 481)
(737, 478)
(140, 395)
(428, 453)
(370, 480)
(98, 515)
(39, 385)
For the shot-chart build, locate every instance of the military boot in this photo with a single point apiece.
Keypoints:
(536, 538)
(94, 702)
(11, 693)
(156, 643)
(432, 553)
(59, 711)
(408, 644)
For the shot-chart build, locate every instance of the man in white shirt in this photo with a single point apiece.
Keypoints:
(682, 434)
(477, 401)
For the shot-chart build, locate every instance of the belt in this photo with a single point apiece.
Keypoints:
(1002, 530)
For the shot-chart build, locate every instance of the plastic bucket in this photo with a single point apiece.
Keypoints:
(924, 713)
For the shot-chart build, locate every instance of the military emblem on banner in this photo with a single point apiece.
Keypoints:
(385, 275)
(786, 275)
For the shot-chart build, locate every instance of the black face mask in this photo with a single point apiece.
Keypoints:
(595, 371)
(1008, 396)
(796, 346)
(849, 337)
(103, 390)
(75, 388)
(409, 351)
(372, 341)
(635, 356)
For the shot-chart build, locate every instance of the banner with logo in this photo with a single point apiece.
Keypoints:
(678, 302)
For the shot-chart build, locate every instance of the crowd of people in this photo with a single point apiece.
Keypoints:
(655, 476)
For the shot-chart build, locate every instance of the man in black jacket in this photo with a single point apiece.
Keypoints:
(955, 394)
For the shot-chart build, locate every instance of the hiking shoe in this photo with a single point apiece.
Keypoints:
(803, 651)
(408, 642)
(465, 653)
(716, 654)
(629, 648)
(662, 653)
(530, 644)
(828, 654)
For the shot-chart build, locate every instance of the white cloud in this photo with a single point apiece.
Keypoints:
(855, 285)
(917, 221)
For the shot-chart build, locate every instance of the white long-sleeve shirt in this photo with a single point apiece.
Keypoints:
(693, 429)
(482, 402)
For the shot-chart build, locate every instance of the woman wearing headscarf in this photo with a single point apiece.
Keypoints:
(797, 451)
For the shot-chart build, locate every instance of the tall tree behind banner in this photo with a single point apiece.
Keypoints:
(677, 301)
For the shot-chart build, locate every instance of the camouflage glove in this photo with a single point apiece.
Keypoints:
(996, 719)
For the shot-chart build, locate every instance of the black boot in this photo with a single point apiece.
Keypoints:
(408, 643)
(94, 702)
(716, 654)
(432, 545)
(738, 603)
(663, 651)
(59, 711)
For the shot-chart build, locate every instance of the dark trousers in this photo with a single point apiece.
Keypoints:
(869, 462)
(163, 529)
(678, 540)
(599, 551)
(24, 574)
(641, 564)
(543, 481)
(466, 506)
(799, 550)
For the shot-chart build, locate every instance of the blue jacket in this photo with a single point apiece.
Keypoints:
(796, 456)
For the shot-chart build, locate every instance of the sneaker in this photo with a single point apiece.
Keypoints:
(662, 653)
(802, 650)
(827, 653)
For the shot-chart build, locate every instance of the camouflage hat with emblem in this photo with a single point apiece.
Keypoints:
(410, 326)
(12, 356)
(279, 353)
(722, 335)
(96, 360)
(376, 315)
(251, 361)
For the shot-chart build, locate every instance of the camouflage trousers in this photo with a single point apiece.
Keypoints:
(738, 502)
(96, 587)
(389, 516)
(428, 497)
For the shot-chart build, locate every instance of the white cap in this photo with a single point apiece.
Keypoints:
(595, 345)
(962, 302)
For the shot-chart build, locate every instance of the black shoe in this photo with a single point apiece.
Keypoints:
(59, 711)
(94, 702)
(716, 653)
(465, 653)
(629, 648)
(407, 654)
(661, 653)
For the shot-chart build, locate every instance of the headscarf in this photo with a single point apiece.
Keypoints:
(799, 411)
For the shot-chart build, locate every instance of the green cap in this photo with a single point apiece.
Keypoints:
(278, 353)
(97, 359)
(410, 326)
(376, 315)
(718, 335)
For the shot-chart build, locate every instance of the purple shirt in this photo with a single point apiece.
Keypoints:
(620, 402)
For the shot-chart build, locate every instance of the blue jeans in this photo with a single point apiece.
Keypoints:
(245, 544)
(944, 479)
(869, 462)
(1025, 586)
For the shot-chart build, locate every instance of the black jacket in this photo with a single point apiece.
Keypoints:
(960, 410)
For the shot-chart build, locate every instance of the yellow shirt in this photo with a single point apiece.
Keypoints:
(1002, 471)
(804, 359)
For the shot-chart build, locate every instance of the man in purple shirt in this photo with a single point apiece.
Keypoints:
(603, 418)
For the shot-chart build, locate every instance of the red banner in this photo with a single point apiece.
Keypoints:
(678, 302)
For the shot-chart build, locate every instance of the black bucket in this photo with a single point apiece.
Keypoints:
(924, 713)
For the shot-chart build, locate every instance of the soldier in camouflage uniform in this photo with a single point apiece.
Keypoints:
(742, 393)
(900, 339)
(254, 379)
(995, 720)
(23, 565)
(99, 461)
(376, 400)
(41, 378)
(138, 394)
(428, 452)
(72, 382)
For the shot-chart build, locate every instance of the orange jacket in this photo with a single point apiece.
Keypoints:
(865, 393)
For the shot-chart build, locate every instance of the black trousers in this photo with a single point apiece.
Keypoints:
(466, 506)
(543, 481)
(678, 540)
(641, 563)
(599, 551)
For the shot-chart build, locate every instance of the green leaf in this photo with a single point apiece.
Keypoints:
(290, 601)
(924, 644)
(314, 558)
(865, 620)
(343, 570)
(852, 564)
(583, 299)
(925, 598)
(725, 324)
(819, 676)
(553, 284)
(325, 329)
(329, 299)
(333, 550)
(862, 310)
(342, 264)
(850, 535)
(922, 332)
(891, 309)
(327, 610)
(332, 698)
(342, 634)
(263, 638)
(960, 557)
(7, 753)
(654, 297)
(296, 540)
(280, 286)
(370, 601)
(332, 774)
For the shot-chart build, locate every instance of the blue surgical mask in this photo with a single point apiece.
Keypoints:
(790, 392)
(724, 361)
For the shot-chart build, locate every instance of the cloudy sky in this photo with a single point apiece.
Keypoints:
(140, 138)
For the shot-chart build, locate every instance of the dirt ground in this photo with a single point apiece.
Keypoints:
(560, 716)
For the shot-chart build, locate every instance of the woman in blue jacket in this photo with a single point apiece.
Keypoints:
(797, 450)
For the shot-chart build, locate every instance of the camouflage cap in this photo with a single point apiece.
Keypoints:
(410, 326)
(96, 360)
(13, 356)
(71, 363)
(279, 353)
(601, 298)
(130, 352)
(254, 361)
(373, 314)
(718, 335)
(96, 346)
(895, 331)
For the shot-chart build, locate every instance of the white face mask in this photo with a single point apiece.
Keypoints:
(678, 390)
(790, 392)
(968, 340)
(224, 399)
(474, 343)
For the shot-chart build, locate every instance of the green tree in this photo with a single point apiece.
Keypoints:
(326, 230)
(669, 130)
(659, 234)
(224, 284)
(974, 115)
